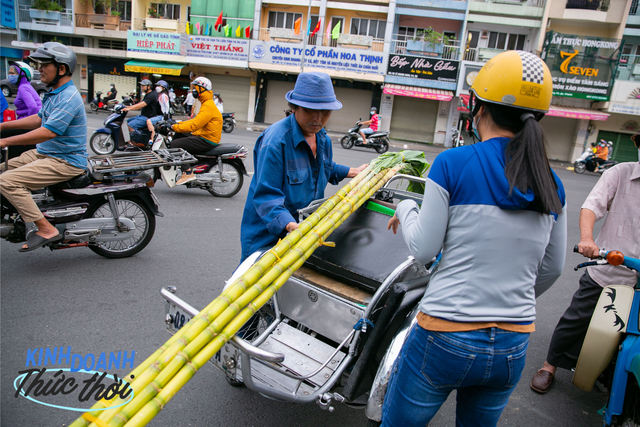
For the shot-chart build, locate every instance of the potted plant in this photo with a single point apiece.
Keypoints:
(107, 20)
(45, 9)
(430, 41)
(153, 13)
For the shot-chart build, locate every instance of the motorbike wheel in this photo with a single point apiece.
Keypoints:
(346, 142)
(227, 126)
(383, 147)
(579, 167)
(133, 209)
(94, 107)
(229, 188)
(102, 144)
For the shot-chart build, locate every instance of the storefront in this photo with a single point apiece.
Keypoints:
(102, 72)
(419, 91)
(357, 77)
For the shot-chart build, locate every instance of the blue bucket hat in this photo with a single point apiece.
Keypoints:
(314, 91)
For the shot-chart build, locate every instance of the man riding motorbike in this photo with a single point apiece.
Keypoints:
(60, 132)
(148, 107)
(201, 133)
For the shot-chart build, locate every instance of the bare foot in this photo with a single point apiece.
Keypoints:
(46, 232)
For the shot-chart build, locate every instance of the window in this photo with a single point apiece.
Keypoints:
(124, 7)
(504, 41)
(283, 19)
(405, 33)
(167, 10)
(112, 44)
(368, 27)
(450, 34)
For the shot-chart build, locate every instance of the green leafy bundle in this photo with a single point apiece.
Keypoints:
(415, 164)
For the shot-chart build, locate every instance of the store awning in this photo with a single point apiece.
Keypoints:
(418, 92)
(577, 113)
(153, 68)
(554, 110)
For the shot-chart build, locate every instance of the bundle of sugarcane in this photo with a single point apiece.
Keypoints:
(166, 371)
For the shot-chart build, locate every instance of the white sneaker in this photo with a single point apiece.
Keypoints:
(186, 178)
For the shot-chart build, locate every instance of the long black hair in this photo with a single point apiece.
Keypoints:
(527, 166)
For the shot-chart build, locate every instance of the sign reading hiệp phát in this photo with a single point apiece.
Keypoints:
(581, 66)
(156, 42)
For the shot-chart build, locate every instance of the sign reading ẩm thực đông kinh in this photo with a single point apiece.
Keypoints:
(581, 66)
(332, 58)
(155, 42)
(442, 70)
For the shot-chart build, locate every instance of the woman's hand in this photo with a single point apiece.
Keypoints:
(394, 222)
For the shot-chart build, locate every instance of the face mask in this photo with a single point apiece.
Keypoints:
(158, 89)
(372, 112)
(475, 127)
(13, 79)
(195, 93)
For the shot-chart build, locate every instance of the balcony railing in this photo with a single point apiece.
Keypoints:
(532, 3)
(402, 46)
(82, 22)
(377, 45)
(480, 54)
(169, 25)
(599, 5)
(629, 68)
(635, 8)
(66, 17)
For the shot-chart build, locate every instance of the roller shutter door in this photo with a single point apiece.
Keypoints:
(234, 91)
(124, 84)
(413, 119)
(560, 133)
(276, 104)
(356, 104)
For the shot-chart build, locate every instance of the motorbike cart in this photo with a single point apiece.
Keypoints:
(332, 333)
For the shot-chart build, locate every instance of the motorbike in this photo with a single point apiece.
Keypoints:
(99, 104)
(587, 162)
(177, 107)
(457, 140)
(115, 134)
(377, 140)
(220, 171)
(611, 348)
(332, 333)
(228, 122)
(110, 208)
(130, 99)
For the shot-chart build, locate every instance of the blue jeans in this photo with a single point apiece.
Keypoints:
(367, 131)
(483, 365)
(138, 122)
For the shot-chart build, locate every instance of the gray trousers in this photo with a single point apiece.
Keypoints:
(569, 334)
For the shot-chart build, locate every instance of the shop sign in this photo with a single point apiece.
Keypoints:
(218, 48)
(624, 109)
(416, 67)
(8, 14)
(332, 58)
(153, 42)
(581, 66)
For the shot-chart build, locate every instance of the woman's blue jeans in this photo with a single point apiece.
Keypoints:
(483, 365)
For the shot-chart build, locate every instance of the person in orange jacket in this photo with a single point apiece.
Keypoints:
(202, 133)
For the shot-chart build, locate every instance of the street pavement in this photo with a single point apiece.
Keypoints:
(79, 299)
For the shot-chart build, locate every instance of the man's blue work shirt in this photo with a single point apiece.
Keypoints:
(287, 177)
(63, 113)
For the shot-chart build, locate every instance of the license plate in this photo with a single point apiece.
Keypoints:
(178, 318)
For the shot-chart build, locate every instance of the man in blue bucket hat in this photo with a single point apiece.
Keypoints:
(293, 163)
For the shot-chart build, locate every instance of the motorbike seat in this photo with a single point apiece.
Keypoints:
(225, 115)
(376, 134)
(221, 149)
(79, 181)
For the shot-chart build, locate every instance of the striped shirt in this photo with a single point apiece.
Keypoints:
(63, 113)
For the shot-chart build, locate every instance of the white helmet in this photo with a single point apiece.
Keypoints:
(203, 82)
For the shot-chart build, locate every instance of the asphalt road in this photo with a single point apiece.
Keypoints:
(79, 299)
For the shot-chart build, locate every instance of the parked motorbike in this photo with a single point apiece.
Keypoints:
(220, 171)
(177, 107)
(377, 140)
(110, 208)
(128, 100)
(332, 333)
(611, 348)
(115, 134)
(98, 103)
(457, 140)
(587, 161)
(228, 122)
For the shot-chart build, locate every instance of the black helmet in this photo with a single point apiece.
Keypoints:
(55, 52)
(374, 109)
(636, 139)
(216, 94)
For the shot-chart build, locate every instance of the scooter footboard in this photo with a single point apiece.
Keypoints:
(608, 323)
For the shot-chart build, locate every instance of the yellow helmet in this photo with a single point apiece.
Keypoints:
(515, 78)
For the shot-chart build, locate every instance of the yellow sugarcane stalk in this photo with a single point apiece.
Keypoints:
(153, 368)
(177, 343)
(295, 258)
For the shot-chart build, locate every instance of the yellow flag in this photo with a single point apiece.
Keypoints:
(188, 29)
(239, 31)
